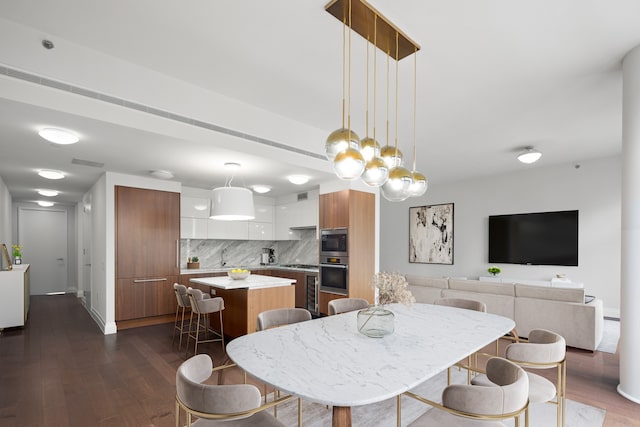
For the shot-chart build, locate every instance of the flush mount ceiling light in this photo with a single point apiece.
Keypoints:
(261, 189)
(51, 174)
(201, 207)
(45, 204)
(298, 179)
(58, 136)
(530, 155)
(364, 159)
(232, 203)
(48, 193)
(161, 174)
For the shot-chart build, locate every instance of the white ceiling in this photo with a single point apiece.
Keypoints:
(493, 76)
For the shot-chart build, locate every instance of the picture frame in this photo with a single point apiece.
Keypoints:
(5, 259)
(431, 234)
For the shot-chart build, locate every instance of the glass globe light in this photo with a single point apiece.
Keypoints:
(339, 140)
(376, 172)
(391, 156)
(369, 148)
(418, 185)
(349, 164)
(396, 189)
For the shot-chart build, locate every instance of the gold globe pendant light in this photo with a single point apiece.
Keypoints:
(419, 182)
(396, 189)
(376, 171)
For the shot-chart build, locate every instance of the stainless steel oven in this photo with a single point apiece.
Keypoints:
(334, 274)
(333, 242)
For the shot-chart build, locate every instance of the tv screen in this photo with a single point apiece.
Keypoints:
(543, 238)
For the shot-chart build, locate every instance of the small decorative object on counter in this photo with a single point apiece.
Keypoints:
(193, 263)
(238, 273)
(494, 271)
(17, 254)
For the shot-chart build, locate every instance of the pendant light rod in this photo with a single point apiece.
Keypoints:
(415, 104)
(349, 93)
(344, 60)
(364, 19)
(375, 67)
(396, 94)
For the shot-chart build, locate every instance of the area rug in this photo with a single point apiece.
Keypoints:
(384, 413)
(610, 336)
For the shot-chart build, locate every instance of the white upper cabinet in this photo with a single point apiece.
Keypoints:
(295, 214)
(194, 207)
(230, 230)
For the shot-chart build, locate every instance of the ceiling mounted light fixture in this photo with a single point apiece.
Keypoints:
(530, 155)
(419, 182)
(45, 204)
(48, 193)
(232, 203)
(161, 174)
(50, 174)
(261, 189)
(298, 179)
(365, 159)
(58, 136)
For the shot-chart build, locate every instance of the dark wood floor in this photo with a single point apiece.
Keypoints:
(61, 371)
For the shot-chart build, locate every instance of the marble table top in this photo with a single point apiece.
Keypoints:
(327, 361)
(254, 281)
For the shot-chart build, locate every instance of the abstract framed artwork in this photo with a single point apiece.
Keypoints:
(431, 234)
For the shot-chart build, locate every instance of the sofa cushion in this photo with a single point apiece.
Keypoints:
(555, 294)
(481, 286)
(432, 282)
(502, 305)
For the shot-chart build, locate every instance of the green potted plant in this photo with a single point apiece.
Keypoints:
(494, 271)
(193, 263)
(17, 254)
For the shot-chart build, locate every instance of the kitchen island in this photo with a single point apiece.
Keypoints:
(244, 299)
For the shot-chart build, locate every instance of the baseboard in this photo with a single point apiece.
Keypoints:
(107, 328)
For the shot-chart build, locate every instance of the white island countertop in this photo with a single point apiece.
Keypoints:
(254, 281)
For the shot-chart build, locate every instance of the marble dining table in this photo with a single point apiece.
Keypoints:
(327, 361)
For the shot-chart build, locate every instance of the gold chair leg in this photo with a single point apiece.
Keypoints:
(177, 414)
(399, 410)
(299, 412)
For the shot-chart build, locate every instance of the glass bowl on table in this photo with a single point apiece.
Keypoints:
(238, 273)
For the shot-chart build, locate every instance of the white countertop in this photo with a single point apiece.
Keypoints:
(186, 271)
(327, 361)
(254, 281)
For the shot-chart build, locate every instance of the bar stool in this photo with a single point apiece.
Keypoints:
(203, 307)
(183, 304)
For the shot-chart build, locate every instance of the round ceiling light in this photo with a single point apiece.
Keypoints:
(298, 179)
(45, 204)
(161, 174)
(58, 136)
(51, 174)
(530, 155)
(232, 204)
(48, 193)
(261, 189)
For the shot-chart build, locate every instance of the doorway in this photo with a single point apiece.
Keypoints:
(43, 234)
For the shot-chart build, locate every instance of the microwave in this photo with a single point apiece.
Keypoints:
(333, 242)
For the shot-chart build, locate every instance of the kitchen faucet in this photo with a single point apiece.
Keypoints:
(223, 254)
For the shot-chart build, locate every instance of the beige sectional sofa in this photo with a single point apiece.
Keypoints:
(561, 310)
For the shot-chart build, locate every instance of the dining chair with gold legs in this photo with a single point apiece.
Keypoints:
(215, 404)
(481, 405)
(343, 305)
(544, 350)
(466, 304)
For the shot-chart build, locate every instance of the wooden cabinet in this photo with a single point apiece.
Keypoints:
(354, 210)
(301, 285)
(324, 299)
(14, 296)
(147, 252)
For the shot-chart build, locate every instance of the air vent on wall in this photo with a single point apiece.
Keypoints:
(303, 196)
(87, 163)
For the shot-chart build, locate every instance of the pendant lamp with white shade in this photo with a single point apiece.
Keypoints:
(232, 203)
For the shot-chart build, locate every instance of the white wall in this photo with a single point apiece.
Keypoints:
(6, 235)
(594, 189)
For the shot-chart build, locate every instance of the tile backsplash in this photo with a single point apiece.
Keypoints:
(213, 253)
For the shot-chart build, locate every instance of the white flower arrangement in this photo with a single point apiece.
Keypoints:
(392, 287)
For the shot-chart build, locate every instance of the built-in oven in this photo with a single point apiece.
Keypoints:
(334, 274)
(333, 242)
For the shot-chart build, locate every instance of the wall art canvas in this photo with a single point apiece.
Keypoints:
(431, 234)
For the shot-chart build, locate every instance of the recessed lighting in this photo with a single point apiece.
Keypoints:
(162, 174)
(58, 136)
(298, 179)
(261, 189)
(530, 155)
(48, 193)
(45, 204)
(51, 174)
(200, 207)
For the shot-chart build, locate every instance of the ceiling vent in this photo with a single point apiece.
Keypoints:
(87, 163)
(303, 196)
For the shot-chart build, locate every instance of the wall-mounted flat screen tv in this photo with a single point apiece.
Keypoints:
(541, 238)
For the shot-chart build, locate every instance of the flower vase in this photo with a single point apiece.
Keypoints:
(375, 322)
